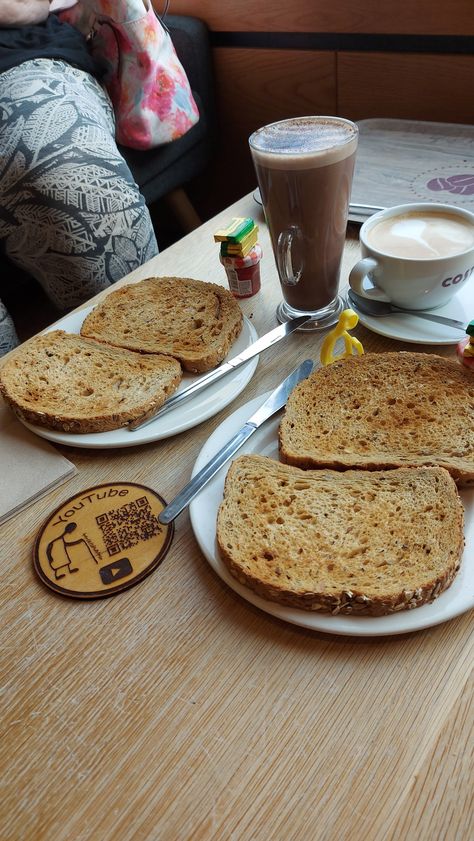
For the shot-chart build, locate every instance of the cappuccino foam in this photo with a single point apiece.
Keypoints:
(304, 142)
(422, 235)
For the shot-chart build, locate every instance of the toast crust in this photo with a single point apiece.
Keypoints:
(382, 411)
(351, 543)
(191, 320)
(66, 382)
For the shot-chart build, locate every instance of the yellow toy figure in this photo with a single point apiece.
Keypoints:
(348, 319)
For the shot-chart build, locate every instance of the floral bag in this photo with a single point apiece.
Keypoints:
(147, 84)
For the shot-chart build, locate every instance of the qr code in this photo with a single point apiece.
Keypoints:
(128, 525)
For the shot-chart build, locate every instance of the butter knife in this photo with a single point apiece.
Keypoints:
(252, 350)
(272, 404)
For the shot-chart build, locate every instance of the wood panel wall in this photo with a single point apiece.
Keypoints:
(412, 86)
(408, 60)
(428, 17)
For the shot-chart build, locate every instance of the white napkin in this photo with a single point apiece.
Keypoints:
(29, 465)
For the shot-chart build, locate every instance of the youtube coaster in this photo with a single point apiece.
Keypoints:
(102, 541)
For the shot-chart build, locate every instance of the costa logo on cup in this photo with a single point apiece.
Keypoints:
(452, 281)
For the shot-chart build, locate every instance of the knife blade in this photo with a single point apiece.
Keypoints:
(272, 404)
(252, 350)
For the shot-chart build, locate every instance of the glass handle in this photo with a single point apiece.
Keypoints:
(289, 275)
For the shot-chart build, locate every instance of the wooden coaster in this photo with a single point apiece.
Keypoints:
(102, 541)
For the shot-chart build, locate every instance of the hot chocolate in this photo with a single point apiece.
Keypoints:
(304, 168)
(422, 235)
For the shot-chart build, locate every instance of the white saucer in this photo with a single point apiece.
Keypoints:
(409, 328)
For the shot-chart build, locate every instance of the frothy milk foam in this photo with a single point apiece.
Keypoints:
(422, 235)
(313, 143)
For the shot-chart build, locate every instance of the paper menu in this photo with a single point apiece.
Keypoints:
(29, 465)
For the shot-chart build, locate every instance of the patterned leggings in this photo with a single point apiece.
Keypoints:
(71, 214)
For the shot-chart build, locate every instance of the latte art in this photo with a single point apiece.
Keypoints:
(422, 235)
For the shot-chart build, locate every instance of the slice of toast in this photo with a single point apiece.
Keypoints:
(383, 410)
(341, 542)
(193, 321)
(63, 381)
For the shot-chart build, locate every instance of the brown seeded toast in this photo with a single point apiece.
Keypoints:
(193, 321)
(341, 542)
(383, 410)
(63, 381)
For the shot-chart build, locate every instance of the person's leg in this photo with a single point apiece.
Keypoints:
(71, 214)
(8, 336)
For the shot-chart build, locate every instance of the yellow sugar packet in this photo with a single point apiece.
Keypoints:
(242, 248)
(235, 231)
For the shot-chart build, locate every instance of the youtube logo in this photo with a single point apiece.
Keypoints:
(115, 571)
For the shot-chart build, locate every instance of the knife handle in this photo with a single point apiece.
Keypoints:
(209, 470)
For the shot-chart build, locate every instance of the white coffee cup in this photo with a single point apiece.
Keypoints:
(416, 256)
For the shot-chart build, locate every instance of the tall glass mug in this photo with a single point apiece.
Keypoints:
(304, 169)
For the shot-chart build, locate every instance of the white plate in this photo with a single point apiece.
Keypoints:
(203, 510)
(192, 412)
(409, 328)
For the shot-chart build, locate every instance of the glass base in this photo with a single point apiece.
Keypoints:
(319, 319)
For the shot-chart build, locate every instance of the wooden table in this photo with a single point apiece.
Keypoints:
(176, 710)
